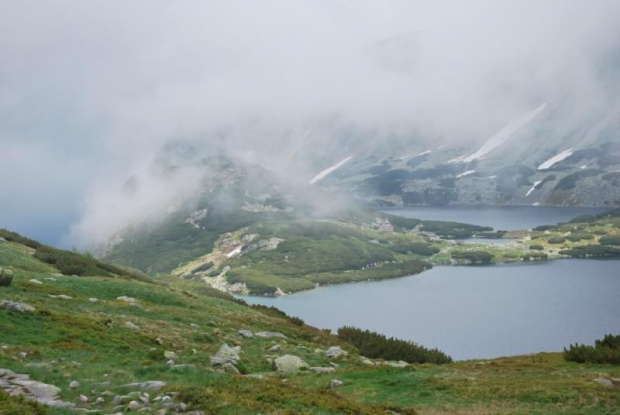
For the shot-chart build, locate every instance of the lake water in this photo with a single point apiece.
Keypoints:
(475, 312)
(507, 218)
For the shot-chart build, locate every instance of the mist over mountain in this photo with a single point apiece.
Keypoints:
(296, 88)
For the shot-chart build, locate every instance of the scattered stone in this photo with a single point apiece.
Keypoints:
(289, 363)
(43, 390)
(275, 348)
(194, 325)
(35, 281)
(148, 385)
(229, 368)
(336, 352)
(162, 411)
(269, 334)
(132, 326)
(399, 364)
(83, 398)
(170, 355)
(245, 333)
(335, 383)
(367, 362)
(15, 306)
(126, 299)
(159, 341)
(100, 401)
(605, 382)
(50, 279)
(93, 299)
(226, 354)
(74, 384)
(134, 405)
(323, 369)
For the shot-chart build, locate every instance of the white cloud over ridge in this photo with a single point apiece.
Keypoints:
(94, 89)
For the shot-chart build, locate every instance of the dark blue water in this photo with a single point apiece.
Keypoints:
(476, 312)
(508, 218)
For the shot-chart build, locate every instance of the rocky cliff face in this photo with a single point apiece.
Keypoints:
(533, 160)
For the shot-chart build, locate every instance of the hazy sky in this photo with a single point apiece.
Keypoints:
(90, 90)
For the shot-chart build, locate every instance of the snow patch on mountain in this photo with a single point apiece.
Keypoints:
(533, 188)
(502, 136)
(556, 159)
(465, 173)
(330, 170)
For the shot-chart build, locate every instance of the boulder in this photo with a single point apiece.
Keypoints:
(336, 352)
(605, 382)
(335, 383)
(15, 306)
(226, 354)
(148, 385)
(43, 390)
(289, 363)
(170, 355)
(245, 333)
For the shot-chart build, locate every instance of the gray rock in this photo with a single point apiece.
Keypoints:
(289, 363)
(83, 399)
(335, 383)
(74, 384)
(15, 306)
(226, 354)
(400, 364)
(336, 352)
(270, 334)
(183, 367)
(229, 368)
(275, 348)
(93, 299)
(323, 369)
(604, 382)
(134, 405)
(170, 355)
(38, 365)
(245, 333)
(132, 326)
(148, 385)
(35, 281)
(43, 390)
(126, 299)
(100, 400)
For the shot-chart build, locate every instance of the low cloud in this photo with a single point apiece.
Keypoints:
(95, 89)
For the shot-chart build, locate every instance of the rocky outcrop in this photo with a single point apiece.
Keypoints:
(289, 363)
(16, 384)
(226, 354)
(15, 306)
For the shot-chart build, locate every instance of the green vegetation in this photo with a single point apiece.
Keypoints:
(595, 251)
(90, 341)
(537, 247)
(610, 240)
(453, 230)
(557, 240)
(606, 350)
(18, 405)
(473, 257)
(375, 345)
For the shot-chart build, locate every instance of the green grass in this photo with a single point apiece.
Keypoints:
(90, 342)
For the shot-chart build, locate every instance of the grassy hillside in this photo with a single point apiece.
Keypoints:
(111, 342)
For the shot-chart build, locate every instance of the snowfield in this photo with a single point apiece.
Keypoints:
(556, 159)
(465, 173)
(329, 170)
(502, 136)
(533, 188)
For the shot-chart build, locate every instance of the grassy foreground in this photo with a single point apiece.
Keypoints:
(77, 339)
